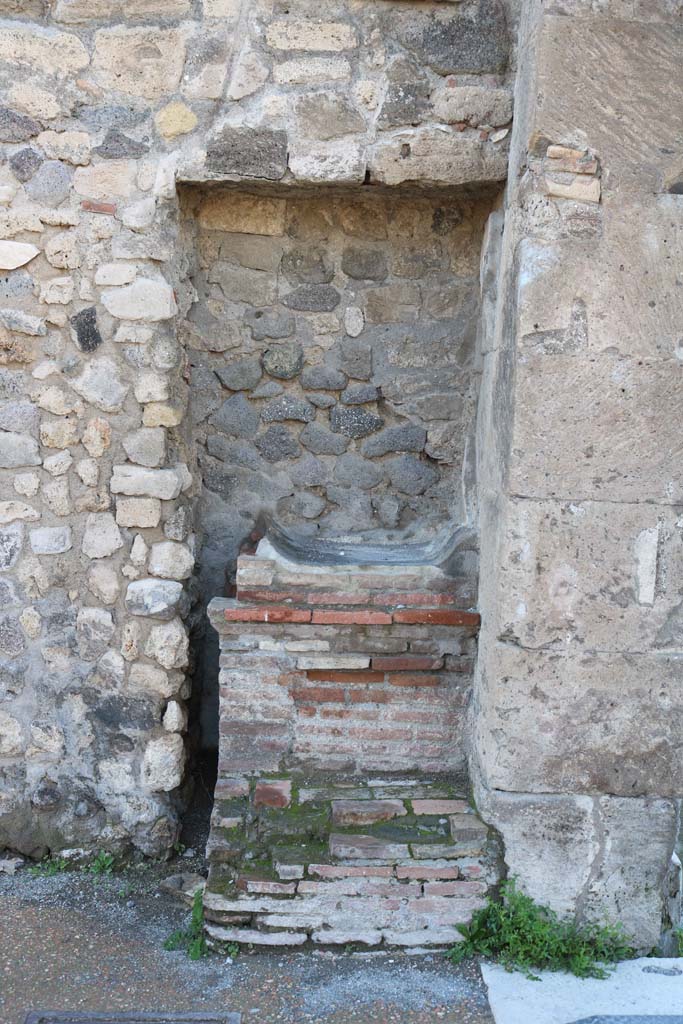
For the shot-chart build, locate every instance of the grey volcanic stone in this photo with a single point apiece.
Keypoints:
(321, 441)
(306, 505)
(323, 378)
(313, 298)
(277, 444)
(24, 323)
(235, 453)
(51, 183)
(359, 394)
(11, 636)
(269, 389)
(241, 374)
(21, 416)
(88, 337)
(18, 450)
(158, 599)
(110, 117)
(284, 361)
(179, 522)
(463, 45)
(320, 400)
(309, 472)
(406, 438)
(116, 145)
(25, 163)
(206, 394)
(353, 421)
(405, 103)
(356, 359)
(365, 264)
(266, 323)
(307, 266)
(353, 471)
(12, 383)
(410, 475)
(15, 285)
(16, 127)
(237, 417)
(288, 408)
(11, 541)
(248, 152)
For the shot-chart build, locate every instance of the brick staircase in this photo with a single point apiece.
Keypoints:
(340, 811)
(397, 860)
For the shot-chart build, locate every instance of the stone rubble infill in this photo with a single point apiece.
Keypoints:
(340, 814)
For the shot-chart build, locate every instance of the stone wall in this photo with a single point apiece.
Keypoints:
(576, 722)
(108, 109)
(334, 365)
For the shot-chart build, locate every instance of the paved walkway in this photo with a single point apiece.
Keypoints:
(74, 942)
(644, 991)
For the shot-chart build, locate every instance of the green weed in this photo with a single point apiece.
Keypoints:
(191, 939)
(101, 864)
(50, 867)
(525, 936)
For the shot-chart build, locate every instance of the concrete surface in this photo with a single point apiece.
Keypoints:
(648, 988)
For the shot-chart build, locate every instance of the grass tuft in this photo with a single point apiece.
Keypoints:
(524, 936)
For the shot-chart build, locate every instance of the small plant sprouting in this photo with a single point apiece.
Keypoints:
(191, 939)
(525, 936)
(678, 938)
(49, 867)
(101, 864)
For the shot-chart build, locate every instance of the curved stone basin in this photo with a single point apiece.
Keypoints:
(441, 551)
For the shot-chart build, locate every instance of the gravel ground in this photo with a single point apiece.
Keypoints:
(77, 942)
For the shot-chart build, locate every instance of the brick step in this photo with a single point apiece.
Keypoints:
(313, 857)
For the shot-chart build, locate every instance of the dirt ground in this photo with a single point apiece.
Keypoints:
(76, 942)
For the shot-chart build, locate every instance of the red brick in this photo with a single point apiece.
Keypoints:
(351, 871)
(94, 207)
(373, 696)
(318, 695)
(437, 617)
(273, 793)
(464, 888)
(440, 807)
(347, 676)
(416, 871)
(267, 613)
(361, 617)
(414, 679)
(227, 788)
(407, 663)
(337, 597)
